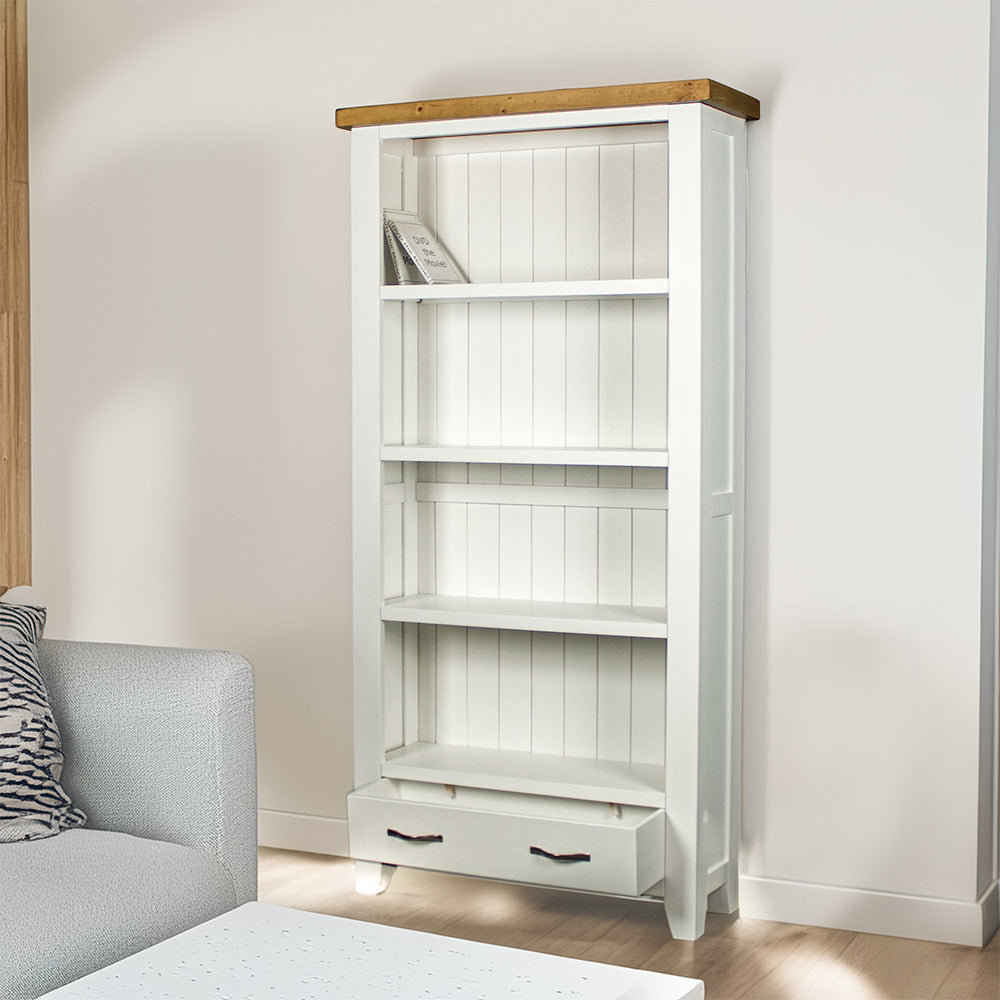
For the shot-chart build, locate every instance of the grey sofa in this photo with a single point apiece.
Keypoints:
(159, 748)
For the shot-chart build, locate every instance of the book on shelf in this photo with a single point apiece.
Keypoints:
(406, 272)
(411, 243)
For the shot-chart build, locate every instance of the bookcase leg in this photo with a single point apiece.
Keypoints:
(725, 899)
(371, 878)
(687, 923)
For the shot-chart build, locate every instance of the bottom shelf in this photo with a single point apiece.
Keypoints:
(529, 773)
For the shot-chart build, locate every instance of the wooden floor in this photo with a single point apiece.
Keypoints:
(736, 958)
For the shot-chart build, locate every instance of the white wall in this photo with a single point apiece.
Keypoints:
(191, 379)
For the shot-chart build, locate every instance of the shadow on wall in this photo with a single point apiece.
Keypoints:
(163, 487)
(82, 50)
(190, 420)
(169, 409)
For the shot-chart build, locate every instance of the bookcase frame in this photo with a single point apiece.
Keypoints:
(673, 670)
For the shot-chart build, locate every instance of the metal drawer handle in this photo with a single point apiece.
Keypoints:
(559, 857)
(427, 838)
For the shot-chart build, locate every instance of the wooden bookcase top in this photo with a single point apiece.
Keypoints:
(715, 95)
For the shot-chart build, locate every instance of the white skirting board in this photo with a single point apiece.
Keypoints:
(299, 832)
(946, 920)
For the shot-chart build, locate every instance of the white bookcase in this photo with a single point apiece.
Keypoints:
(548, 493)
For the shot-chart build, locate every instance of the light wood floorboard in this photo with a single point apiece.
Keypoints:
(749, 959)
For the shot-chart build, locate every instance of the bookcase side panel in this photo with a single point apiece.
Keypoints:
(706, 203)
(723, 265)
(366, 316)
(718, 337)
(685, 881)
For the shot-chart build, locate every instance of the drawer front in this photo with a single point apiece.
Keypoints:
(613, 856)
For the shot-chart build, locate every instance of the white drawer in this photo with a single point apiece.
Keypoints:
(502, 835)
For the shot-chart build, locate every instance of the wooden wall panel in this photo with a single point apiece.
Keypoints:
(15, 386)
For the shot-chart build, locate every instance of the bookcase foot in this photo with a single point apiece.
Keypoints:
(686, 923)
(372, 878)
(725, 899)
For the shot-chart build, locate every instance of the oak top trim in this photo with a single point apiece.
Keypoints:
(715, 95)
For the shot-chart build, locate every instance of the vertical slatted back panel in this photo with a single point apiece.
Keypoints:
(543, 374)
(392, 373)
(572, 204)
(590, 203)
(649, 225)
(451, 206)
(607, 555)
(392, 686)
(583, 696)
(583, 205)
(484, 354)
(483, 688)
(549, 376)
(548, 212)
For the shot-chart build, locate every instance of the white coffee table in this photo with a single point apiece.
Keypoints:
(264, 952)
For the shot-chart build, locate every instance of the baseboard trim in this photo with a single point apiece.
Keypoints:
(299, 832)
(946, 920)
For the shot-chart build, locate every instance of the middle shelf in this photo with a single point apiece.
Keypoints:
(528, 616)
(510, 291)
(656, 458)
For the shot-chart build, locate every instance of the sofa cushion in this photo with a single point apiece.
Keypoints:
(32, 801)
(77, 902)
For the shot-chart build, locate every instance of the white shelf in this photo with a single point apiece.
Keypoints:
(630, 457)
(529, 773)
(623, 288)
(528, 616)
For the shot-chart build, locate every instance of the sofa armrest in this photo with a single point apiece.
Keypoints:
(159, 743)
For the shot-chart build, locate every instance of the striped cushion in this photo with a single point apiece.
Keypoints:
(32, 802)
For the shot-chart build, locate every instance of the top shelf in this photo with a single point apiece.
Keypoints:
(709, 92)
(524, 291)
